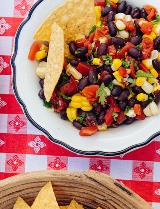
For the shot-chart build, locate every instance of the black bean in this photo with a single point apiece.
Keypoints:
(74, 62)
(77, 125)
(123, 105)
(41, 94)
(90, 121)
(108, 68)
(129, 121)
(138, 29)
(136, 13)
(112, 29)
(132, 101)
(128, 10)
(102, 50)
(137, 89)
(41, 83)
(157, 43)
(144, 13)
(124, 95)
(81, 52)
(107, 79)
(46, 43)
(83, 83)
(111, 16)
(101, 118)
(122, 7)
(105, 11)
(72, 47)
(116, 91)
(156, 64)
(97, 110)
(157, 96)
(145, 104)
(118, 42)
(93, 77)
(63, 115)
(136, 40)
(135, 53)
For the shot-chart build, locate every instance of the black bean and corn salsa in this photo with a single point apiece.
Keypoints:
(112, 76)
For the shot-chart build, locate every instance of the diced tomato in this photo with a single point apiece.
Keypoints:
(88, 45)
(130, 26)
(101, 32)
(109, 117)
(151, 11)
(90, 91)
(112, 50)
(133, 73)
(34, 49)
(121, 118)
(88, 131)
(143, 67)
(122, 72)
(101, 3)
(70, 88)
(147, 27)
(147, 47)
(80, 42)
(141, 117)
(83, 68)
(125, 49)
(138, 109)
(116, 109)
(91, 37)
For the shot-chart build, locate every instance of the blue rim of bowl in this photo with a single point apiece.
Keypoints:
(81, 152)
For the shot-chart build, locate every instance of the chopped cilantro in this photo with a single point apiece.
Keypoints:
(47, 104)
(125, 64)
(127, 109)
(115, 115)
(141, 73)
(63, 79)
(92, 30)
(95, 54)
(81, 118)
(64, 96)
(131, 80)
(139, 47)
(77, 52)
(156, 20)
(107, 2)
(110, 86)
(107, 59)
(102, 94)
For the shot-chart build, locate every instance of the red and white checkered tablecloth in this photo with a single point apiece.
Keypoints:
(24, 148)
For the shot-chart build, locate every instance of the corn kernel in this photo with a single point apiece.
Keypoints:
(41, 70)
(154, 72)
(96, 61)
(85, 104)
(77, 98)
(123, 34)
(152, 36)
(147, 87)
(102, 127)
(154, 108)
(87, 109)
(120, 25)
(156, 29)
(142, 97)
(98, 23)
(71, 113)
(72, 71)
(40, 55)
(152, 80)
(75, 104)
(156, 88)
(128, 18)
(98, 13)
(115, 1)
(140, 81)
(44, 47)
(120, 16)
(148, 63)
(154, 55)
(158, 56)
(118, 76)
(117, 63)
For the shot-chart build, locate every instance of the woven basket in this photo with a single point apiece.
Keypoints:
(91, 189)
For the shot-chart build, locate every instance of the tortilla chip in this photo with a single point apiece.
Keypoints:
(74, 205)
(64, 207)
(21, 204)
(55, 61)
(75, 17)
(45, 199)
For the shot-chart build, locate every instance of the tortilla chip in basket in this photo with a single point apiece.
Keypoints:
(75, 17)
(21, 204)
(46, 198)
(55, 61)
(75, 205)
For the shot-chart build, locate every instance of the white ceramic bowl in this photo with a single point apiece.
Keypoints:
(26, 87)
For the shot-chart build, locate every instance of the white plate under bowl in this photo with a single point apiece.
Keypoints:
(26, 87)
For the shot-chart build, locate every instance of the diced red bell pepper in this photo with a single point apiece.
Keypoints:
(101, 3)
(88, 131)
(130, 26)
(133, 73)
(147, 47)
(122, 72)
(101, 32)
(138, 109)
(112, 50)
(70, 88)
(151, 11)
(121, 118)
(125, 49)
(109, 117)
(90, 91)
(91, 37)
(116, 109)
(83, 68)
(34, 49)
(141, 117)
(143, 67)
(147, 27)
